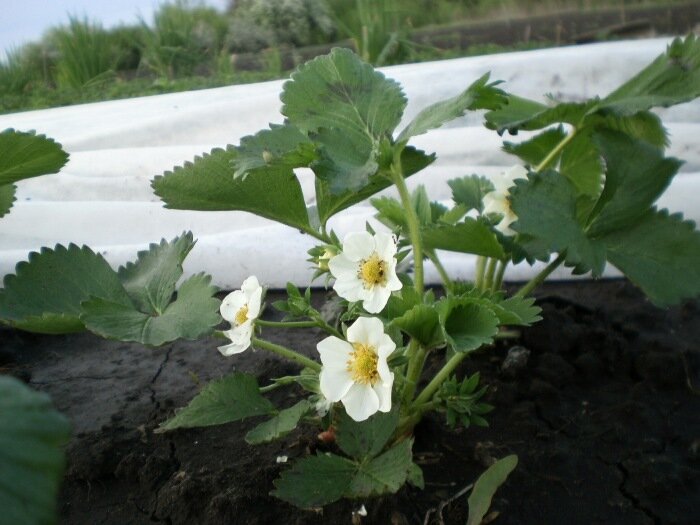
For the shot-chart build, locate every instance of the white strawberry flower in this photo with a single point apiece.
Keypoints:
(355, 371)
(366, 270)
(241, 308)
(497, 201)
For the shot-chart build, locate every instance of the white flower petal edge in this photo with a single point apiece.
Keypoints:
(355, 372)
(497, 201)
(241, 308)
(365, 270)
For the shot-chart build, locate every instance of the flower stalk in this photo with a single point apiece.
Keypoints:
(286, 353)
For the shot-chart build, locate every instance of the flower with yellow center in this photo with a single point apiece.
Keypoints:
(498, 202)
(355, 371)
(241, 308)
(366, 269)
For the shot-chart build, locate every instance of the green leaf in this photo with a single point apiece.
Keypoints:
(423, 324)
(281, 146)
(25, 155)
(46, 291)
(329, 204)
(208, 184)
(487, 485)
(391, 212)
(231, 398)
(385, 473)
(520, 113)
(534, 150)
(365, 439)
(546, 210)
(7, 198)
(192, 315)
(470, 236)
(520, 311)
(280, 425)
(32, 437)
(468, 325)
(150, 281)
(315, 481)
(469, 191)
(660, 254)
(644, 126)
(673, 78)
(581, 164)
(480, 95)
(636, 175)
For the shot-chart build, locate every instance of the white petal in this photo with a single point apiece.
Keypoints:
(366, 330)
(383, 391)
(231, 304)
(350, 289)
(393, 282)
(342, 267)
(494, 202)
(233, 348)
(514, 173)
(377, 300)
(334, 383)
(360, 402)
(254, 303)
(358, 245)
(250, 285)
(385, 246)
(335, 353)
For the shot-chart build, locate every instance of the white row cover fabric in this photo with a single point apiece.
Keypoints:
(103, 198)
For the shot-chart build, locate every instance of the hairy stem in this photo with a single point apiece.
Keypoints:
(540, 277)
(428, 392)
(286, 353)
(490, 270)
(479, 272)
(552, 155)
(446, 281)
(498, 279)
(416, 361)
(315, 323)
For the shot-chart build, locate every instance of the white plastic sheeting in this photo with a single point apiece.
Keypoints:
(103, 197)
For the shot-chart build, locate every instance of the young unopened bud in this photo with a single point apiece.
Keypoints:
(328, 254)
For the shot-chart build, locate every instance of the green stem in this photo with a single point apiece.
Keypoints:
(498, 280)
(479, 272)
(441, 270)
(552, 155)
(490, 270)
(427, 393)
(321, 236)
(540, 277)
(286, 324)
(286, 353)
(280, 381)
(416, 361)
(411, 220)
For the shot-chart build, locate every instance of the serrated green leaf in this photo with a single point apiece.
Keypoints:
(523, 310)
(280, 425)
(329, 204)
(470, 236)
(423, 324)
(534, 150)
(644, 126)
(673, 78)
(315, 481)
(391, 212)
(400, 303)
(32, 437)
(384, 474)
(469, 191)
(660, 254)
(546, 208)
(636, 175)
(192, 315)
(468, 325)
(231, 398)
(479, 95)
(45, 293)
(365, 439)
(281, 146)
(520, 113)
(24, 155)
(581, 164)
(151, 280)
(453, 215)
(208, 184)
(7, 198)
(486, 486)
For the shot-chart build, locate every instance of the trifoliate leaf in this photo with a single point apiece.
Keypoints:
(365, 439)
(636, 175)
(32, 438)
(208, 184)
(281, 146)
(470, 236)
(46, 291)
(423, 324)
(469, 191)
(468, 325)
(224, 400)
(25, 155)
(486, 486)
(534, 150)
(480, 95)
(582, 165)
(673, 78)
(520, 113)
(546, 210)
(281, 424)
(192, 315)
(384, 474)
(7, 198)
(315, 481)
(150, 281)
(660, 253)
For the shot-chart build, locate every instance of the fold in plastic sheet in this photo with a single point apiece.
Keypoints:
(103, 197)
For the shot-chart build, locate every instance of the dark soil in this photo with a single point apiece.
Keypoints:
(604, 416)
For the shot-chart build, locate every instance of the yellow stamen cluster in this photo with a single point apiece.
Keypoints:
(241, 315)
(372, 271)
(363, 364)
